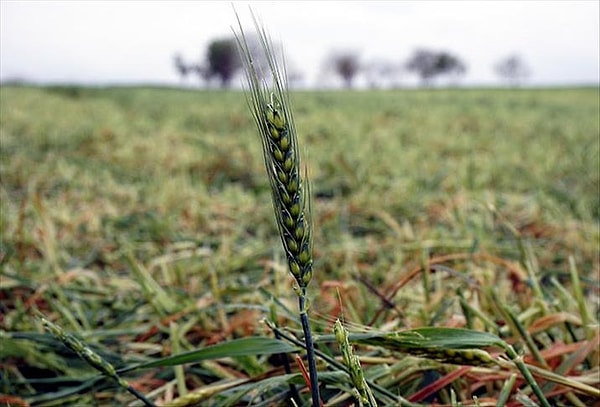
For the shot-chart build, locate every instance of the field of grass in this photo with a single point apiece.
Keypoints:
(140, 221)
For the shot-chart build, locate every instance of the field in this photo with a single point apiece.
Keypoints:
(140, 221)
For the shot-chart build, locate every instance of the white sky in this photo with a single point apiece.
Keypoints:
(107, 42)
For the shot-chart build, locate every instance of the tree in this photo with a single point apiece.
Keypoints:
(429, 64)
(346, 64)
(512, 69)
(223, 60)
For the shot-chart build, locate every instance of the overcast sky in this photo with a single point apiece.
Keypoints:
(107, 42)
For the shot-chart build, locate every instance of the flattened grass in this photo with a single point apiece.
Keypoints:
(139, 220)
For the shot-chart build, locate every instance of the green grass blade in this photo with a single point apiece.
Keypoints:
(578, 293)
(456, 338)
(506, 390)
(258, 388)
(65, 392)
(258, 345)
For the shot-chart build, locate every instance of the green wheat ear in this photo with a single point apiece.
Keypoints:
(270, 107)
(363, 392)
(91, 357)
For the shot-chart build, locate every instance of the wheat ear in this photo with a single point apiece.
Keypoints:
(357, 378)
(92, 358)
(270, 107)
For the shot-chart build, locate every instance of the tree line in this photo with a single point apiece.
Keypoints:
(222, 62)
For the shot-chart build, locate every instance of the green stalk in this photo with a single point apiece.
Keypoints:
(578, 292)
(506, 389)
(310, 351)
(518, 361)
(270, 107)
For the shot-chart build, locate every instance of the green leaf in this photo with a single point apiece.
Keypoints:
(453, 338)
(258, 345)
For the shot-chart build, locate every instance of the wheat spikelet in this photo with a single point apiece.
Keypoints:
(363, 392)
(270, 107)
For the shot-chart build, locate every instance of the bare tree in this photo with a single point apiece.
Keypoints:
(512, 69)
(345, 64)
(429, 64)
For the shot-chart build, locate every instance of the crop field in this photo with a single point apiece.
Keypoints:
(137, 226)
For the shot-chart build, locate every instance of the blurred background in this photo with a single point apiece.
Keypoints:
(360, 44)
